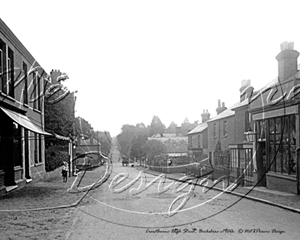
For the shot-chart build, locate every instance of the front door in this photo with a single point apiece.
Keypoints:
(26, 146)
(6, 149)
(261, 163)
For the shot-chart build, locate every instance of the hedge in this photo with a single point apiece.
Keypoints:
(55, 158)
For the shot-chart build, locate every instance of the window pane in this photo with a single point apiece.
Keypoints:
(285, 156)
(278, 158)
(292, 162)
(272, 161)
(278, 130)
(293, 130)
(271, 131)
(285, 129)
(292, 156)
(262, 130)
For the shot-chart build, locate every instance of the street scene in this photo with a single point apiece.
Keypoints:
(160, 119)
(110, 212)
(208, 215)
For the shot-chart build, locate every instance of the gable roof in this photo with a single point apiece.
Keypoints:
(226, 113)
(201, 127)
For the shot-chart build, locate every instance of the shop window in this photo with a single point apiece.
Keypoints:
(261, 130)
(282, 145)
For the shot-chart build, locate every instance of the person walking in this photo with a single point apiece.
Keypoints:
(64, 171)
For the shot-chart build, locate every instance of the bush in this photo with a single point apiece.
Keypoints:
(55, 158)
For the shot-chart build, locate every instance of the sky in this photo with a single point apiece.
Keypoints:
(130, 60)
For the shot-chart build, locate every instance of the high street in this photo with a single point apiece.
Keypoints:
(116, 210)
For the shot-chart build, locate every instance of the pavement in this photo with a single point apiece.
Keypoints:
(287, 201)
(44, 209)
(49, 193)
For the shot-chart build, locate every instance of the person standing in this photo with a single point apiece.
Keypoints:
(65, 171)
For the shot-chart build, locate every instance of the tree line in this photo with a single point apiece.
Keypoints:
(134, 142)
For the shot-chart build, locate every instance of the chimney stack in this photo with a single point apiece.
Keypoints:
(205, 116)
(287, 61)
(220, 108)
(246, 89)
(54, 75)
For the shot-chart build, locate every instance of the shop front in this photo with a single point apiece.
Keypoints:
(20, 149)
(276, 145)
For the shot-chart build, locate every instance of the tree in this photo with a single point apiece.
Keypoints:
(125, 138)
(156, 126)
(153, 149)
(171, 128)
(59, 118)
(83, 128)
(129, 132)
(186, 126)
(137, 150)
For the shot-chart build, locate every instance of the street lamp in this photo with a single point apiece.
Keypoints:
(250, 135)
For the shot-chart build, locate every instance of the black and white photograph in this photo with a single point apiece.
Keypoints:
(149, 119)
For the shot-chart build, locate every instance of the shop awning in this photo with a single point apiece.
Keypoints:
(24, 121)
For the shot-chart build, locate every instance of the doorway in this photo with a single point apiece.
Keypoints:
(261, 163)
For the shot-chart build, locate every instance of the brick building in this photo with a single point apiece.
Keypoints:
(21, 113)
(221, 132)
(241, 150)
(198, 139)
(275, 113)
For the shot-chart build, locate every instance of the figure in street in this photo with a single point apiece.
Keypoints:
(64, 171)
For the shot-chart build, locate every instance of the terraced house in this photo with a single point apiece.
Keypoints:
(198, 139)
(22, 133)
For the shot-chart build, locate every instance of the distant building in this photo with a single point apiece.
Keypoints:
(176, 144)
(221, 133)
(198, 139)
(88, 146)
